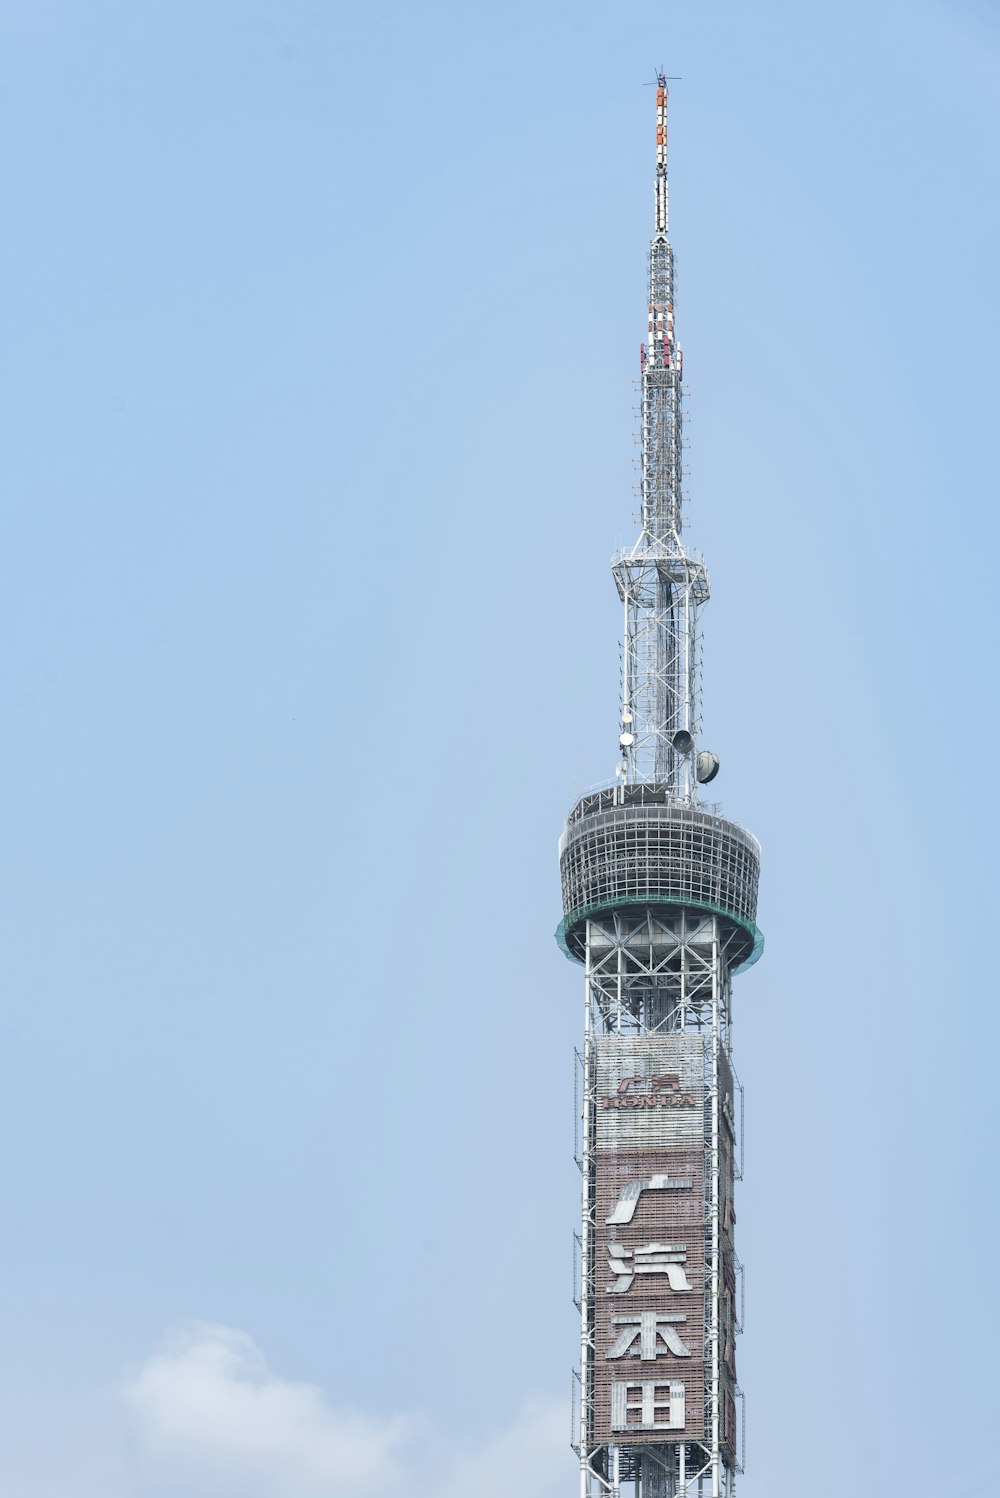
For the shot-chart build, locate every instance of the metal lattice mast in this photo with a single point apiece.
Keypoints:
(661, 587)
(659, 899)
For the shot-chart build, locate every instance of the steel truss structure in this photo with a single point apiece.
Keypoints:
(659, 901)
(651, 972)
(661, 587)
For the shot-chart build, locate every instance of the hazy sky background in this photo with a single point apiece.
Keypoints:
(321, 323)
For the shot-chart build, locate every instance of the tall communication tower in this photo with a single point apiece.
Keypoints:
(660, 901)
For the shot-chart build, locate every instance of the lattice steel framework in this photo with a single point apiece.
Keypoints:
(659, 901)
(661, 587)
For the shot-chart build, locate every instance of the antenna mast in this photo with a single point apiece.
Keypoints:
(660, 585)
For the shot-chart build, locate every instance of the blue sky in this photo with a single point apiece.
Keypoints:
(321, 327)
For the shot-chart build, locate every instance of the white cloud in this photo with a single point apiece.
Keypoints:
(210, 1419)
(207, 1410)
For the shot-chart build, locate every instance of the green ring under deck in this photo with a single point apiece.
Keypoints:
(754, 933)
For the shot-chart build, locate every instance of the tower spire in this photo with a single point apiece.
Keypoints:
(662, 215)
(661, 586)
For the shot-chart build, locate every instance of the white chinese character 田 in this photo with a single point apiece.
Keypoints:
(640, 1404)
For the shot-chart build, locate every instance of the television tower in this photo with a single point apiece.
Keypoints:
(660, 900)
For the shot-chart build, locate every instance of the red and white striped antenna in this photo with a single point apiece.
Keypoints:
(662, 205)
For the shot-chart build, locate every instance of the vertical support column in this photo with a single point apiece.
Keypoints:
(714, 1336)
(586, 1234)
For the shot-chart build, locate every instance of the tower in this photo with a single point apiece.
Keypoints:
(659, 900)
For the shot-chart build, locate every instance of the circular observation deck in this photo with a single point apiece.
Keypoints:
(635, 845)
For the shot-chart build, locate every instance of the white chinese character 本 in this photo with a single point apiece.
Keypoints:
(649, 1329)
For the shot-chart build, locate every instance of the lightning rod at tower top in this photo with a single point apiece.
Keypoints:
(659, 907)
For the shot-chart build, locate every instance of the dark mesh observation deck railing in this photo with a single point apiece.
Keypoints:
(634, 845)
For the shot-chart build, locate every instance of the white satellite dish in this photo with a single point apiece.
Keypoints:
(706, 766)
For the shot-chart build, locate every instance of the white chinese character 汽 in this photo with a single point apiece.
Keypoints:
(652, 1258)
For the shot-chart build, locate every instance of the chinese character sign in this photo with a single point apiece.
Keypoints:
(649, 1315)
